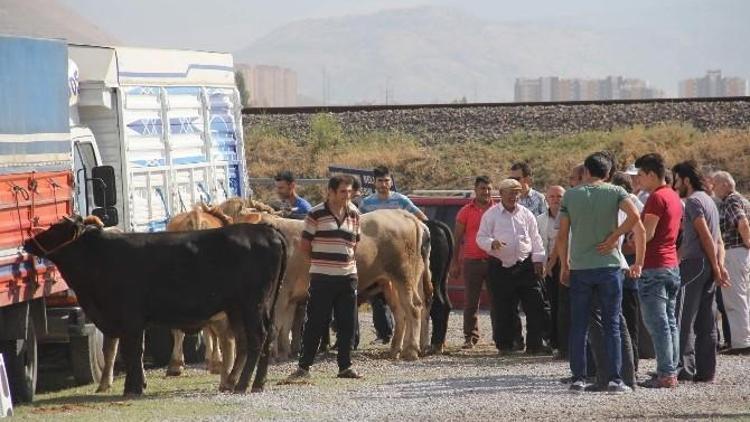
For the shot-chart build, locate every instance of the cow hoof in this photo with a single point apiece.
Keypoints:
(132, 394)
(103, 389)
(226, 388)
(174, 371)
(395, 354)
(256, 390)
(410, 354)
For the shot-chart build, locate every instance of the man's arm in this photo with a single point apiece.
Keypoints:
(484, 234)
(639, 238)
(561, 245)
(744, 228)
(712, 250)
(650, 221)
(458, 235)
(420, 215)
(632, 217)
(538, 253)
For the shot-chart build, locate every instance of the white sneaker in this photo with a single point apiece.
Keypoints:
(618, 387)
(578, 386)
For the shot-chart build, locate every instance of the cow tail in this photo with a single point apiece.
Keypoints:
(425, 248)
(442, 287)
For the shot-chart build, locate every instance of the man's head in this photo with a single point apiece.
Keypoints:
(510, 189)
(596, 166)
(651, 171)
(483, 189)
(707, 173)
(724, 184)
(285, 185)
(554, 197)
(340, 189)
(521, 171)
(383, 181)
(623, 180)
(576, 176)
(687, 178)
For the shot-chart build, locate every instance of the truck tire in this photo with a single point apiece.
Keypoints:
(87, 357)
(21, 364)
(194, 349)
(159, 345)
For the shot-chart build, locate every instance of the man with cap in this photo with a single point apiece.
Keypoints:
(509, 234)
(638, 190)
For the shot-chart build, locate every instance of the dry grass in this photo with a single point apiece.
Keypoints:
(454, 165)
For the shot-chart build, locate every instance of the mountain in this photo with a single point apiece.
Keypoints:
(432, 54)
(49, 19)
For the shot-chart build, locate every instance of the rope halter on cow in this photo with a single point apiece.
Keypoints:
(45, 252)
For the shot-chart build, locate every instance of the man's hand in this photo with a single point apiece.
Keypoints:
(455, 270)
(635, 271)
(539, 269)
(607, 246)
(548, 267)
(565, 275)
(721, 277)
(497, 245)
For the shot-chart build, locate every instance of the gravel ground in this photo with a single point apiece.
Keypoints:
(478, 385)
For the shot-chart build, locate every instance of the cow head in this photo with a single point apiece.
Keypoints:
(59, 235)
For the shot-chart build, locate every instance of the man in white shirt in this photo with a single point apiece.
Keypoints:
(509, 234)
(558, 335)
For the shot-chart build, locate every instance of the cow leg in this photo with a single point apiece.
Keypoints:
(225, 337)
(209, 347)
(177, 362)
(424, 335)
(240, 360)
(392, 297)
(412, 313)
(108, 372)
(255, 334)
(132, 348)
(260, 377)
(211, 331)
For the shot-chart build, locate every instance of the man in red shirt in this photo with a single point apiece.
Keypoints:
(660, 280)
(475, 260)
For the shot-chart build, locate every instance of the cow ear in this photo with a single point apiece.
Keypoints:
(93, 220)
(250, 217)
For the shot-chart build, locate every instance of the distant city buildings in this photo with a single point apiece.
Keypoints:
(713, 85)
(554, 88)
(269, 86)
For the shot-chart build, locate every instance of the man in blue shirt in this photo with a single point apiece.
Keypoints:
(286, 188)
(384, 198)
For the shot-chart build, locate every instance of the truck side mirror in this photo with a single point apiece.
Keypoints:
(108, 215)
(103, 181)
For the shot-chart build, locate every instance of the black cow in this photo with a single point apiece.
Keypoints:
(441, 252)
(126, 281)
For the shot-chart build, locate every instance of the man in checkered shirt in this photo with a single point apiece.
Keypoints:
(734, 211)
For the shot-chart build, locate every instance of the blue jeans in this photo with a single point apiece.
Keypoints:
(606, 283)
(659, 288)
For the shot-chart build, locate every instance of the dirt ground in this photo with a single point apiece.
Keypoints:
(459, 385)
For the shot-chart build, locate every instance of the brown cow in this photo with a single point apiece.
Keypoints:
(392, 257)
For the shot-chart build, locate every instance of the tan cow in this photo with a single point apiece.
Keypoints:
(393, 258)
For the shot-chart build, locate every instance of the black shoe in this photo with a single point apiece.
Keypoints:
(349, 373)
(578, 386)
(537, 351)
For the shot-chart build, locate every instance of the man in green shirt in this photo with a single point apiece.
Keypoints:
(590, 263)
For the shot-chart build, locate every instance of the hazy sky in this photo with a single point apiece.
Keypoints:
(232, 24)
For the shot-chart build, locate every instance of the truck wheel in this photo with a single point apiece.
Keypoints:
(87, 357)
(21, 363)
(159, 345)
(194, 348)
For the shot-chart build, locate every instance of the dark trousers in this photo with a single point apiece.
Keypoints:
(475, 276)
(563, 320)
(552, 288)
(326, 293)
(696, 305)
(598, 350)
(726, 335)
(631, 310)
(507, 287)
(382, 317)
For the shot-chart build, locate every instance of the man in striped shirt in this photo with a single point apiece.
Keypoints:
(329, 241)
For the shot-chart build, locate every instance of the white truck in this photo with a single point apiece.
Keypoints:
(142, 135)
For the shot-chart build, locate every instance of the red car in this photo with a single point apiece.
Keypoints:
(443, 205)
